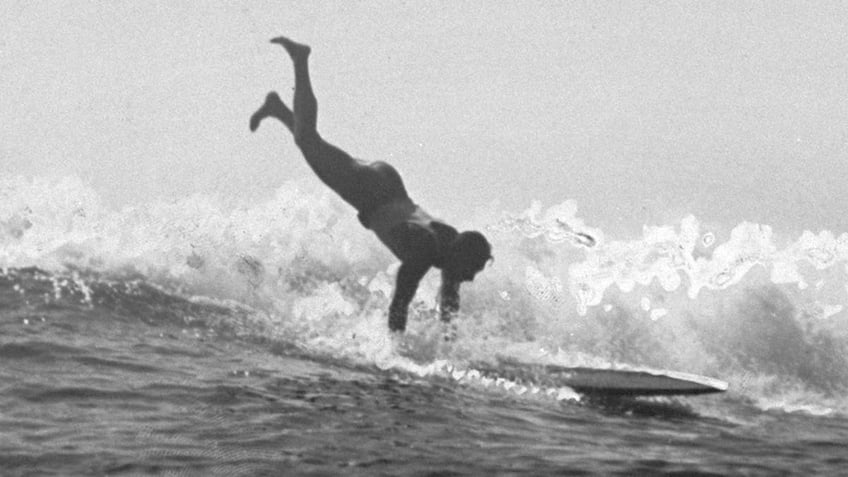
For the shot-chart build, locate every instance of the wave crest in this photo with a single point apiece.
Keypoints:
(732, 303)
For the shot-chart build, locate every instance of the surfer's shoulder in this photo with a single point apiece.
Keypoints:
(443, 230)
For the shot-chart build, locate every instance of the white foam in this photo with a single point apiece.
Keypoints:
(302, 258)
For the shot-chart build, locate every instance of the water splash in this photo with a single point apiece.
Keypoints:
(678, 297)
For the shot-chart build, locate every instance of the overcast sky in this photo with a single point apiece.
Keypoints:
(640, 111)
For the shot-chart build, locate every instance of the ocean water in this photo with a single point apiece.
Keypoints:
(203, 338)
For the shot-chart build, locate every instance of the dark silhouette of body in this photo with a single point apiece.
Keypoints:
(377, 192)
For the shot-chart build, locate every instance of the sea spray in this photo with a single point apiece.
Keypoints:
(746, 304)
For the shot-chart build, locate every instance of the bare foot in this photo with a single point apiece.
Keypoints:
(273, 107)
(296, 50)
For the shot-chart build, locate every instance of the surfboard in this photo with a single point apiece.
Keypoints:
(610, 382)
(634, 382)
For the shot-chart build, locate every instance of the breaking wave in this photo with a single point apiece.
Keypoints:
(762, 311)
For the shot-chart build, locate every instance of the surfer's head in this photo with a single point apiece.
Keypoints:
(468, 254)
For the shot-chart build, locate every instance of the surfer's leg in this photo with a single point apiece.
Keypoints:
(305, 104)
(352, 179)
(273, 108)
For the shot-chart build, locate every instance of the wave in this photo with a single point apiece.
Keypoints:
(741, 303)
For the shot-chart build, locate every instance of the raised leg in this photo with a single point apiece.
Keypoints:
(360, 184)
(305, 104)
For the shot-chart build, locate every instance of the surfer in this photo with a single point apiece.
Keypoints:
(377, 192)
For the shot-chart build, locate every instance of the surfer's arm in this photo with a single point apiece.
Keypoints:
(408, 277)
(450, 297)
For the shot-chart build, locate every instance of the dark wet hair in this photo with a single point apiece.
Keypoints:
(470, 251)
